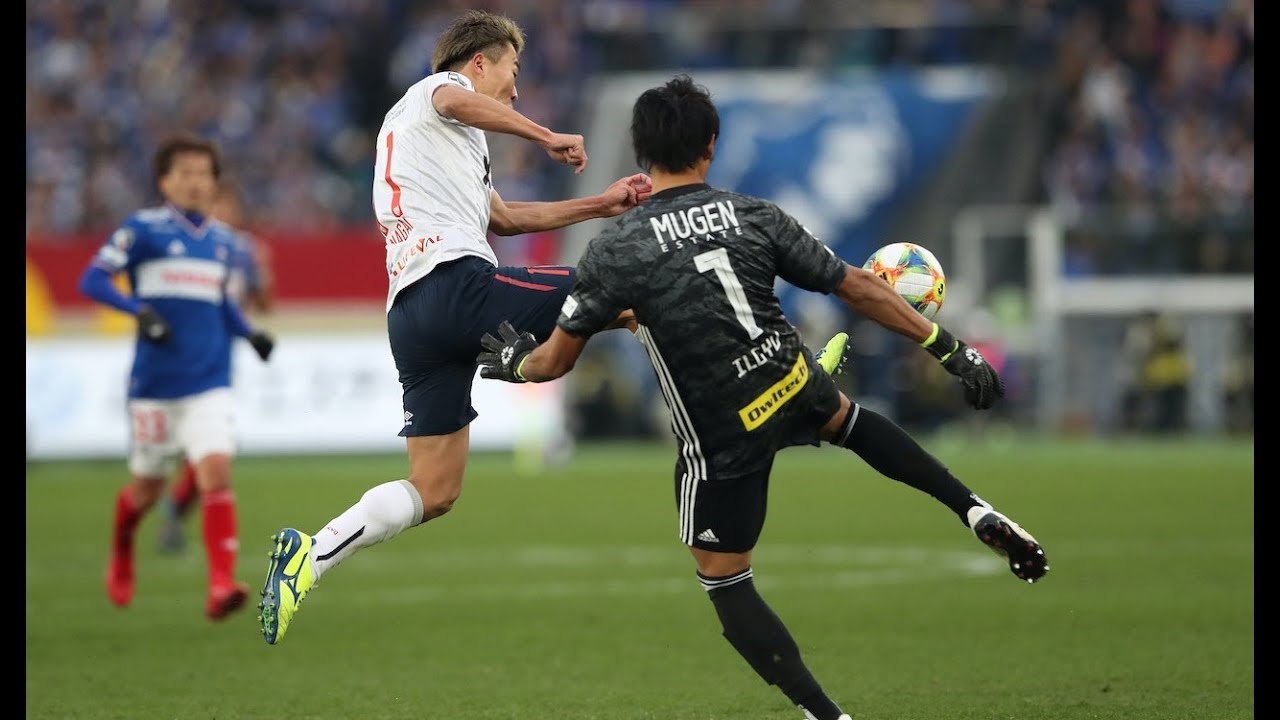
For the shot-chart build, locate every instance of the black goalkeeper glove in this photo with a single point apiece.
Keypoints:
(503, 358)
(151, 326)
(262, 344)
(981, 383)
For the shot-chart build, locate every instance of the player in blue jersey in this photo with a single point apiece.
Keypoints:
(250, 284)
(178, 260)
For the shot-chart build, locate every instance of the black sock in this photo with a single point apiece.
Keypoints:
(895, 454)
(763, 641)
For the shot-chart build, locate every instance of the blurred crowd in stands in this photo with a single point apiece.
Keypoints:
(1161, 109)
(293, 91)
(1148, 121)
(1154, 142)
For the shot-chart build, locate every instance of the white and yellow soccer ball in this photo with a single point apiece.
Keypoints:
(913, 272)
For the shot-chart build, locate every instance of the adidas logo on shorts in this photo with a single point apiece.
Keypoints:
(708, 536)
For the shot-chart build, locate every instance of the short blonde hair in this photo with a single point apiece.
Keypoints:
(473, 32)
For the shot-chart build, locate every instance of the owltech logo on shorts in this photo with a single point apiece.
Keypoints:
(756, 412)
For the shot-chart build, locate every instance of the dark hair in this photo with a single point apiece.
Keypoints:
(184, 143)
(672, 125)
(472, 32)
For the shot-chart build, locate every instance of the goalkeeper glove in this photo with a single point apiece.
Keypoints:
(981, 383)
(504, 357)
(151, 326)
(262, 344)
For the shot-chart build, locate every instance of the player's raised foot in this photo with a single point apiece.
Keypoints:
(120, 578)
(171, 538)
(290, 577)
(1008, 540)
(225, 599)
(832, 356)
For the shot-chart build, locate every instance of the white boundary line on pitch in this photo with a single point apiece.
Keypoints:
(619, 570)
(849, 567)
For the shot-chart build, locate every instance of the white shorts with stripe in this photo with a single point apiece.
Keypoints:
(162, 431)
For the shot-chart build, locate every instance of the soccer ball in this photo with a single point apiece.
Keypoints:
(913, 272)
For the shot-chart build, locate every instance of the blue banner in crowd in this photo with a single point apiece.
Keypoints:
(841, 156)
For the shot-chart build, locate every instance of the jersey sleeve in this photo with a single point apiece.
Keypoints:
(802, 259)
(433, 82)
(593, 301)
(120, 249)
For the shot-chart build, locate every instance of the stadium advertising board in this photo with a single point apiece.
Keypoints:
(318, 394)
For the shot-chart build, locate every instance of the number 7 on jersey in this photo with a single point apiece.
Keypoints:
(718, 261)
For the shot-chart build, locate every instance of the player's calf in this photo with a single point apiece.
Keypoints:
(892, 452)
(759, 636)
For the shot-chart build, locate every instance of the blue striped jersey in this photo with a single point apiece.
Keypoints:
(179, 269)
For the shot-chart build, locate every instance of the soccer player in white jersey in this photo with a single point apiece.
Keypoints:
(434, 201)
(177, 260)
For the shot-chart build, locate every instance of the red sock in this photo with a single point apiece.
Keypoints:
(220, 543)
(185, 491)
(127, 517)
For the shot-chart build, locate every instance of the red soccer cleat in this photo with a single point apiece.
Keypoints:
(225, 599)
(120, 578)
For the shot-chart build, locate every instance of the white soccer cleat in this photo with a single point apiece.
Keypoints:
(1008, 540)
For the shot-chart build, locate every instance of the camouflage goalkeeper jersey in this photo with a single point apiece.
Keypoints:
(698, 265)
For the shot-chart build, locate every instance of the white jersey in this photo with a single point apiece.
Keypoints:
(431, 186)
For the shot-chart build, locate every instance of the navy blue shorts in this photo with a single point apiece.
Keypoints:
(435, 326)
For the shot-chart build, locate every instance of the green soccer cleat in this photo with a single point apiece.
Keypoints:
(832, 357)
(289, 578)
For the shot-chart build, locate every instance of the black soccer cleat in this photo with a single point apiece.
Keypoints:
(1008, 540)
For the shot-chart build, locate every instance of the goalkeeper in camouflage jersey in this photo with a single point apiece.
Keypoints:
(698, 265)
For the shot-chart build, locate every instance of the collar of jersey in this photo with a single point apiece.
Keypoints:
(194, 217)
(679, 190)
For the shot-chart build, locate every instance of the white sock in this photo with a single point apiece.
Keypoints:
(383, 512)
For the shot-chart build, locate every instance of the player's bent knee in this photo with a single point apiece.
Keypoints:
(436, 507)
(213, 472)
(147, 490)
(436, 466)
(720, 564)
(835, 425)
(439, 494)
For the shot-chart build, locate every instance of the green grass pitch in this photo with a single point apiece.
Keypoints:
(566, 594)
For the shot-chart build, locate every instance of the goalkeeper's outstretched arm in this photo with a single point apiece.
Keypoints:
(873, 298)
(517, 357)
(553, 358)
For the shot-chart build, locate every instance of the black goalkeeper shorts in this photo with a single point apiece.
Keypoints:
(723, 515)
